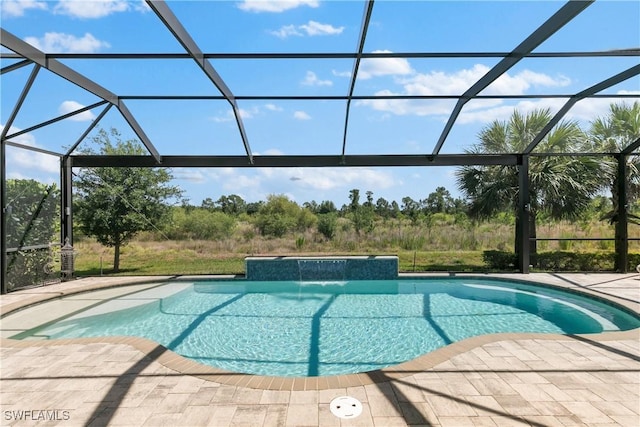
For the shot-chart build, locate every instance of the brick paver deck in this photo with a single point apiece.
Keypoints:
(503, 380)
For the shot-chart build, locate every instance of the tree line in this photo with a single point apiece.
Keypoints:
(439, 200)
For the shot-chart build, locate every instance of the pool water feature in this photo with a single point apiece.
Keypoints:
(322, 269)
(332, 327)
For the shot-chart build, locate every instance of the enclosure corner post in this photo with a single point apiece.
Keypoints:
(622, 230)
(3, 218)
(522, 220)
(66, 202)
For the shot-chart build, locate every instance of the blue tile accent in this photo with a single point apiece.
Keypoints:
(315, 268)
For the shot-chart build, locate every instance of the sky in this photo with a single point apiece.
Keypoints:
(304, 127)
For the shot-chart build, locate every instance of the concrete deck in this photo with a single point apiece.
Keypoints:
(499, 380)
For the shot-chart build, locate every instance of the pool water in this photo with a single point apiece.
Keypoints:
(330, 328)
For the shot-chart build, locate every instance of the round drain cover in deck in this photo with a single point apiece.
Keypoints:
(346, 407)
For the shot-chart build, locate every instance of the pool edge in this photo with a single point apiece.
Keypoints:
(180, 364)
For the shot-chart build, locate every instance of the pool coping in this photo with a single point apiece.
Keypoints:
(180, 364)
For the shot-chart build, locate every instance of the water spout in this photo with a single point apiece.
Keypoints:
(322, 270)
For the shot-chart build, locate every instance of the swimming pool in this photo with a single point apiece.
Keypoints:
(330, 328)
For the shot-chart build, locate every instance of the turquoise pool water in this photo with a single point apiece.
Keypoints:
(330, 328)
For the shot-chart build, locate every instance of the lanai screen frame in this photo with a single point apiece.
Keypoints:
(30, 55)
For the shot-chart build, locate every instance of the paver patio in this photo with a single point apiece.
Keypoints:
(503, 380)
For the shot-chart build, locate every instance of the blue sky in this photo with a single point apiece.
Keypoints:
(305, 127)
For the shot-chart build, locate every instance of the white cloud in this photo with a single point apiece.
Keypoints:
(60, 42)
(312, 28)
(24, 139)
(15, 8)
(22, 163)
(441, 83)
(299, 184)
(246, 114)
(228, 115)
(305, 183)
(301, 115)
(32, 162)
(311, 79)
(275, 6)
(286, 31)
(341, 73)
(591, 108)
(70, 106)
(584, 111)
(402, 107)
(334, 178)
(195, 176)
(520, 82)
(91, 9)
(272, 107)
(142, 6)
(499, 112)
(456, 83)
(376, 67)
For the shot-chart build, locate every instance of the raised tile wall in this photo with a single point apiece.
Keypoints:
(322, 268)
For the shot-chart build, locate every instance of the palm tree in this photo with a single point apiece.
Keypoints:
(560, 186)
(613, 134)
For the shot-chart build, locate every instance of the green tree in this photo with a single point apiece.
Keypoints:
(114, 204)
(383, 208)
(560, 186)
(439, 201)
(312, 206)
(395, 209)
(411, 209)
(362, 216)
(279, 215)
(612, 134)
(327, 206)
(254, 207)
(231, 204)
(208, 204)
(354, 199)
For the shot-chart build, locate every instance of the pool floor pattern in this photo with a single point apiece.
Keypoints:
(504, 381)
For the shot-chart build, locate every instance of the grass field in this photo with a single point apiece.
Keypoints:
(445, 247)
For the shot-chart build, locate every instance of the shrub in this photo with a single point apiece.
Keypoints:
(279, 215)
(327, 225)
(275, 225)
(500, 260)
(558, 260)
(201, 224)
(306, 220)
(575, 261)
(28, 268)
(634, 260)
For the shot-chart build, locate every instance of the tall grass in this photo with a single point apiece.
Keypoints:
(444, 246)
